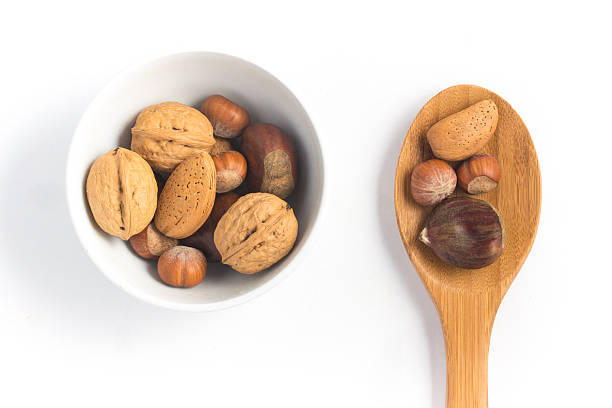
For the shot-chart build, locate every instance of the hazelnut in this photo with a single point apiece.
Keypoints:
(272, 160)
(221, 145)
(182, 267)
(432, 181)
(203, 239)
(479, 174)
(228, 119)
(231, 170)
(150, 243)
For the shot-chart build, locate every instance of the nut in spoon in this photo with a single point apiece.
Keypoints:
(467, 300)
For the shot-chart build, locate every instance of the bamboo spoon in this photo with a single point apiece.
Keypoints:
(467, 300)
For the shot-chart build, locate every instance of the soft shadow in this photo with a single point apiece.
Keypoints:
(52, 275)
(414, 287)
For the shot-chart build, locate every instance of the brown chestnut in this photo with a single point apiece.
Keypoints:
(479, 174)
(432, 181)
(231, 170)
(182, 267)
(150, 243)
(465, 232)
(203, 239)
(227, 118)
(272, 160)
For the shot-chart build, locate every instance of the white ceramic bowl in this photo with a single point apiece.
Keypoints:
(189, 78)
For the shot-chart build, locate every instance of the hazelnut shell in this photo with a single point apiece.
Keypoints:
(221, 145)
(432, 181)
(182, 267)
(150, 243)
(228, 119)
(479, 174)
(231, 170)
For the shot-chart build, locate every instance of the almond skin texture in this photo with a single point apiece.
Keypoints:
(479, 174)
(122, 193)
(231, 170)
(256, 232)
(150, 243)
(168, 133)
(187, 198)
(432, 181)
(182, 267)
(464, 133)
(228, 119)
(271, 158)
(203, 239)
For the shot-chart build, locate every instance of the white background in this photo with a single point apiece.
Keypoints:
(354, 326)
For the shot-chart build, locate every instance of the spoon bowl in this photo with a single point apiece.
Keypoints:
(467, 299)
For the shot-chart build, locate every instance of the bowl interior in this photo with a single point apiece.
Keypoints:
(189, 79)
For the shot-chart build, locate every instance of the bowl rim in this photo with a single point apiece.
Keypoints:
(197, 307)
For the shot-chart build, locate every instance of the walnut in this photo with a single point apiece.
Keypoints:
(122, 193)
(168, 133)
(256, 232)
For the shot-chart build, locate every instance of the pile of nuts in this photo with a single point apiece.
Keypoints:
(461, 230)
(178, 194)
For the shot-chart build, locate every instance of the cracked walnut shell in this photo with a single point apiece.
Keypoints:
(122, 193)
(256, 232)
(168, 133)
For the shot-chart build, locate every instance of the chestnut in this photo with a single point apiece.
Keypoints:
(465, 232)
(231, 170)
(227, 118)
(479, 174)
(181, 267)
(432, 181)
(271, 159)
(203, 239)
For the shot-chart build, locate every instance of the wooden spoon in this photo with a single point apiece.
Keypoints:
(467, 300)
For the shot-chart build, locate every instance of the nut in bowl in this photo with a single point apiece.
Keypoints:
(188, 79)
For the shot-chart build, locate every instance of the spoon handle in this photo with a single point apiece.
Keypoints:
(467, 319)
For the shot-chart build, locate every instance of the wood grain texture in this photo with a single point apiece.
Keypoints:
(467, 300)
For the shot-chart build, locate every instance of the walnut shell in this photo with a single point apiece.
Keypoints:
(256, 232)
(168, 133)
(187, 198)
(122, 193)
